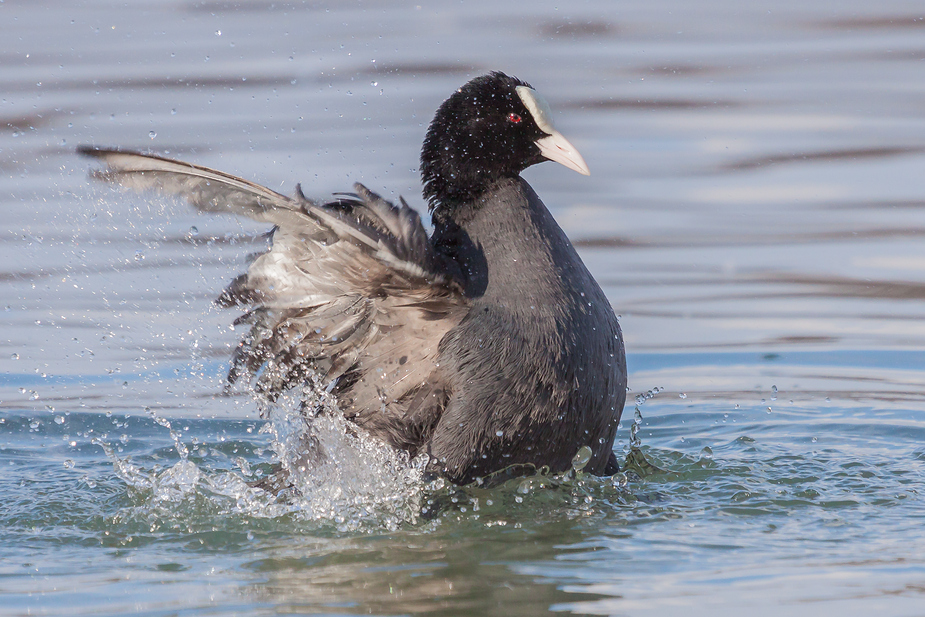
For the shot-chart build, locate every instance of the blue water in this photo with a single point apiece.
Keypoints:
(734, 505)
(755, 214)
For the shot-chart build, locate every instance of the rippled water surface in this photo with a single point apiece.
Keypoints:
(755, 213)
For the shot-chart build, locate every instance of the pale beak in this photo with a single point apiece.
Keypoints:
(557, 148)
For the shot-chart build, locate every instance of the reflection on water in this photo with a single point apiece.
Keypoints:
(754, 214)
(848, 154)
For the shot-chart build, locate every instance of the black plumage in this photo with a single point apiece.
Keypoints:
(485, 345)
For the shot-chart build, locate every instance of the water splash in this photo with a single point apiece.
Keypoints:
(314, 466)
(643, 397)
(322, 469)
(333, 471)
(636, 463)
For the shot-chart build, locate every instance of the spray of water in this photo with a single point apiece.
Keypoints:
(324, 470)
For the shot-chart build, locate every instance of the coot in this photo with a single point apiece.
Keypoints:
(485, 345)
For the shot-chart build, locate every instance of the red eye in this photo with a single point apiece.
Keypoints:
(514, 118)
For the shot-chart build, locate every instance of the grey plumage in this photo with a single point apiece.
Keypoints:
(352, 290)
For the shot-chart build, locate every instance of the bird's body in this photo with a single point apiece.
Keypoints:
(485, 345)
(539, 337)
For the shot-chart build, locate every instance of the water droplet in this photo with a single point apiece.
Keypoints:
(14, 356)
(152, 134)
(499, 433)
(635, 440)
(59, 419)
(193, 231)
(139, 255)
(682, 395)
(218, 33)
(619, 480)
(68, 464)
(581, 459)
(773, 393)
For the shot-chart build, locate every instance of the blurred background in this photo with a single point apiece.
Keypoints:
(756, 169)
(755, 213)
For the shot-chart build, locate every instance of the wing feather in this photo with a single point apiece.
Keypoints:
(351, 290)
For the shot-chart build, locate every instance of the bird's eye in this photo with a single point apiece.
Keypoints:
(514, 119)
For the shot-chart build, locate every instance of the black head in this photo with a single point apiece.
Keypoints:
(493, 127)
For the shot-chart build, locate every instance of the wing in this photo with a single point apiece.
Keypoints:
(351, 291)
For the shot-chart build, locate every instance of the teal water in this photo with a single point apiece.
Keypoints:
(755, 214)
(772, 505)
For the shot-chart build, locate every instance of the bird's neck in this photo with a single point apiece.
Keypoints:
(501, 238)
(471, 215)
(458, 191)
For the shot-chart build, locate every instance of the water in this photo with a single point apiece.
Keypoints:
(755, 214)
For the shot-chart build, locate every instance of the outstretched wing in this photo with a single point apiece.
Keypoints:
(351, 290)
